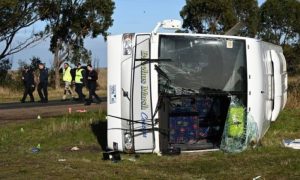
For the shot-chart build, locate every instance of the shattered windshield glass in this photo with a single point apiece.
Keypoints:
(201, 63)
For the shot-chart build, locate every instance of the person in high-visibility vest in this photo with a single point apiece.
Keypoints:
(67, 78)
(79, 82)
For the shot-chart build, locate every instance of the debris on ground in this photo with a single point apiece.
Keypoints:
(36, 149)
(86, 160)
(114, 156)
(258, 177)
(172, 151)
(131, 159)
(240, 129)
(62, 160)
(81, 110)
(75, 148)
(134, 158)
(289, 143)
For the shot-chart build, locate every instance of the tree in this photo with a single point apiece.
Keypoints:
(292, 57)
(34, 62)
(280, 21)
(5, 65)
(16, 15)
(207, 16)
(282, 28)
(34, 65)
(218, 16)
(247, 12)
(70, 22)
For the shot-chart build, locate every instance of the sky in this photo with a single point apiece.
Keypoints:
(129, 16)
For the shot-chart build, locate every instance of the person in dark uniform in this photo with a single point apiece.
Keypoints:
(79, 82)
(28, 80)
(43, 85)
(92, 78)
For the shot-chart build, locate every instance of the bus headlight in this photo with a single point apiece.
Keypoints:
(128, 141)
(127, 43)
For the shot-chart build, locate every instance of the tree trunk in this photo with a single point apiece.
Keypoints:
(56, 68)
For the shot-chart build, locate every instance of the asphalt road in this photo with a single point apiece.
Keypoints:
(16, 105)
(12, 112)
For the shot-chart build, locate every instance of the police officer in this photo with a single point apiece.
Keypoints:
(28, 80)
(92, 78)
(43, 84)
(79, 81)
(67, 78)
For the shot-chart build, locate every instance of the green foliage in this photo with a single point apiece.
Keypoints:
(206, 16)
(13, 81)
(280, 21)
(34, 62)
(51, 74)
(71, 21)
(80, 54)
(247, 12)
(292, 57)
(280, 24)
(276, 21)
(5, 65)
(218, 16)
(58, 135)
(16, 15)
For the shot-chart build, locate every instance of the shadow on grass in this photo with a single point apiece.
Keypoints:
(99, 129)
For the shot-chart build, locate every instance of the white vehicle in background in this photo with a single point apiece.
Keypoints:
(173, 89)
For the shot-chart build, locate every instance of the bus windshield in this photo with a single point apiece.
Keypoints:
(199, 63)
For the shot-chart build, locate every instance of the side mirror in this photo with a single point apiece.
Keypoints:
(168, 24)
(171, 24)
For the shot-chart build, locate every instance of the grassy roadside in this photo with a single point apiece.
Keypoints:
(57, 135)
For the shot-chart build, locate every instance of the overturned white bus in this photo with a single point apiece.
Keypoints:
(170, 90)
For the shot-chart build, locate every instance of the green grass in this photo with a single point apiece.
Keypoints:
(58, 135)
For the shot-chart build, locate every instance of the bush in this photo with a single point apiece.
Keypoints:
(292, 57)
(294, 93)
(14, 81)
(5, 66)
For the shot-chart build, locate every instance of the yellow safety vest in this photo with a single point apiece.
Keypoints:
(78, 76)
(67, 77)
(236, 121)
